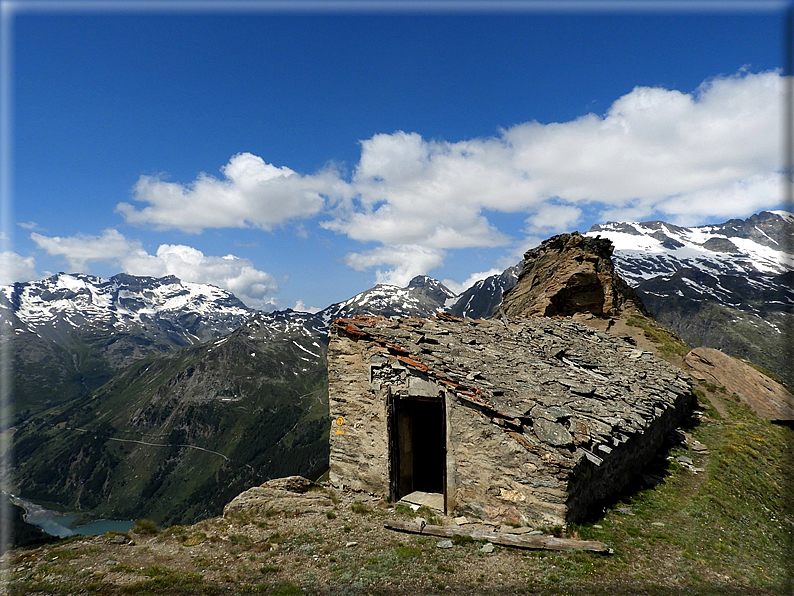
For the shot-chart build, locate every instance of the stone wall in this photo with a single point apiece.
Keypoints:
(359, 457)
(490, 473)
(592, 482)
(496, 477)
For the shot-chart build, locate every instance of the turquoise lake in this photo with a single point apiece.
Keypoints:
(59, 524)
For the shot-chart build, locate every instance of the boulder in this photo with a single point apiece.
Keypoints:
(767, 398)
(293, 484)
(290, 495)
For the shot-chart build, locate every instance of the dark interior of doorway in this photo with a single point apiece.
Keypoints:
(421, 446)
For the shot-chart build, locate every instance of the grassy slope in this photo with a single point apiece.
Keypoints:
(84, 455)
(53, 375)
(725, 530)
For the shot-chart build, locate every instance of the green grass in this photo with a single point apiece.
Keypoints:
(193, 539)
(360, 508)
(287, 589)
(157, 580)
(378, 567)
(430, 515)
(167, 581)
(725, 528)
(722, 531)
(404, 510)
(462, 540)
(269, 569)
(667, 342)
(406, 552)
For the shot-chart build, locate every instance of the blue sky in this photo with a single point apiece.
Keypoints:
(295, 155)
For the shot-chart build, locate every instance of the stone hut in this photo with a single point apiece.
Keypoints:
(533, 421)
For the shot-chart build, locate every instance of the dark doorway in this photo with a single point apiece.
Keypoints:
(418, 447)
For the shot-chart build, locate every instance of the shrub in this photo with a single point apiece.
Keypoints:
(404, 510)
(287, 589)
(193, 539)
(359, 507)
(145, 526)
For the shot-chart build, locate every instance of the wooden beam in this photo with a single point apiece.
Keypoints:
(514, 540)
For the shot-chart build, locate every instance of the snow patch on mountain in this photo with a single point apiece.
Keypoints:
(785, 215)
(125, 303)
(422, 297)
(649, 249)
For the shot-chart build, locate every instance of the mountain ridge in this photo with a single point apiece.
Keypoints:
(716, 493)
(175, 436)
(79, 329)
(186, 395)
(726, 286)
(71, 332)
(759, 244)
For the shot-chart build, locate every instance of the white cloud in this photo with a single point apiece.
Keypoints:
(656, 143)
(15, 267)
(553, 219)
(745, 196)
(406, 261)
(301, 307)
(412, 191)
(238, 275)
(251, 194)
(80, 249)
(29, 225)
(690, 157)
(235, 274)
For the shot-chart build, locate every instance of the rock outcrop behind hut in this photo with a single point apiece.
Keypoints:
(569, 274)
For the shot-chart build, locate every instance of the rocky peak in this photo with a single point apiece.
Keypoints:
(432, 287)
(773, 229)
(483, 298)
(569, 274)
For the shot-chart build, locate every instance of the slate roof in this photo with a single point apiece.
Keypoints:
(557, 381)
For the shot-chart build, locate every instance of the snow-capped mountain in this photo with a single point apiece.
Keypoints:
(166, 313)
(759, 244)
(247, 391)
(185, 312)
(70, 332)
(422, 297)
(740, 263)
(425, 297)
(726, 286)
(484, 297)
(233, 412)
